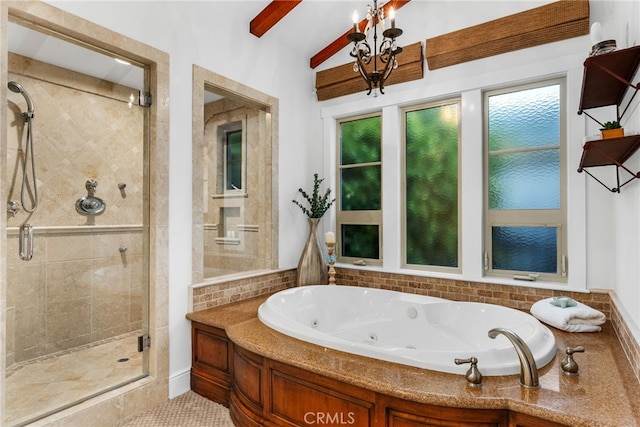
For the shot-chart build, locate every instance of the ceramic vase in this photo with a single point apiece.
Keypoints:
(312, 267)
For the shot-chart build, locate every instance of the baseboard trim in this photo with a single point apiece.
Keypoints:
(179, 383)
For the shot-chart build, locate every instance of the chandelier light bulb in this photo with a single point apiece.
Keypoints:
(392, 17)
(355, 20)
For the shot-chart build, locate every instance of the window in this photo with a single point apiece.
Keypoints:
(525, 181)
(431, 189)
(231, 164)
(359, 213)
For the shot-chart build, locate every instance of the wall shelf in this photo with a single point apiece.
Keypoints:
(606, 80)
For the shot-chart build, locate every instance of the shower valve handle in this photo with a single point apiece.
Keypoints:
(91, 185)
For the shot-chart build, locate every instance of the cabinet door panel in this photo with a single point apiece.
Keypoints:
(315, 404)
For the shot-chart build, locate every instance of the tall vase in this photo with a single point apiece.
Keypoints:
(312, 268)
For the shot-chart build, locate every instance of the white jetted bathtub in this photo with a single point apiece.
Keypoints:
(404, 328)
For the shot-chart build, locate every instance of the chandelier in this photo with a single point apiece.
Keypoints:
(384, 59)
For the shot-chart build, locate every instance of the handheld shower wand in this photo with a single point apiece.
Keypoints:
(17, 88)
(28, 150)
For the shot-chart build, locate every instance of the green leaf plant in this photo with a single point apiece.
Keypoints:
(610, 125)
(318, 204)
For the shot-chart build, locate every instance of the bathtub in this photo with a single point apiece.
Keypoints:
(414, 330)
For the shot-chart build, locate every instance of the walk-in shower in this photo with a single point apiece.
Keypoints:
(77, 311)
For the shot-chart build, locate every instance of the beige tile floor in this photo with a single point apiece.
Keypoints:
(49, 384)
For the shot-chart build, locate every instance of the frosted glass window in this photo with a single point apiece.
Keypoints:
(360, 241)
(359, 177)
(525, 181)
(360, 141)
(360, 188)
(431, 185)
(524, 143)
(525, 249)
(233, 150)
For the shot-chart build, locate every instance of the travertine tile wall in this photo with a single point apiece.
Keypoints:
(239, 212)
(517, 297)
(214, 295)
(79, 287)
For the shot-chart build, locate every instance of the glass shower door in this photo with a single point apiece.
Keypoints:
(77, 249)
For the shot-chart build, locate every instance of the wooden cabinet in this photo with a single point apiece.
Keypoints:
(521, 420)
(264, 392)
(401, 413)
(211, 362)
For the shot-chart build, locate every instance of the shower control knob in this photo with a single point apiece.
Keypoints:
(122, 249)
(473, 375)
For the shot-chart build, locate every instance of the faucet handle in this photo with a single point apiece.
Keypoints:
(569, 366)
(473, 375)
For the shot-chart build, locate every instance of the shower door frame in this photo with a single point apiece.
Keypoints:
(151, 390)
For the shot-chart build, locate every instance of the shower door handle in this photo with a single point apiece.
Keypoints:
(26, 242)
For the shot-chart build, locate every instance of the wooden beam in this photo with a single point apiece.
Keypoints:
(335, 46)
(342, 80)
(270, 15)
(545, 24)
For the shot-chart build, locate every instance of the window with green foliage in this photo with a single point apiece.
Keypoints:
(233, 149)
(431, 207)
(359, 213)
(524, 181)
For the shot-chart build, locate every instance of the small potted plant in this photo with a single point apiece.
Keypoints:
(612, 130)
(312, 269)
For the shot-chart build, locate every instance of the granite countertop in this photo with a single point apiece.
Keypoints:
(606, 393)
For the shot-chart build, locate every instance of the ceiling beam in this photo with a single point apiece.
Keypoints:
(270, 15)
(335, 46)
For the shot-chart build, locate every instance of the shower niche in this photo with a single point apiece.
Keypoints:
(76, 307)
(234, 216)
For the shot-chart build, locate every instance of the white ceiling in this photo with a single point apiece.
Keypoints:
(55, 51)
(308, 28)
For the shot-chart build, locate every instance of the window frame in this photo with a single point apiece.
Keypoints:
(403, 143)
(556, 218)
(358, 217)
(222, 135)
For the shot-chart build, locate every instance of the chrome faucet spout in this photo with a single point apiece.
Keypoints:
(528, 367)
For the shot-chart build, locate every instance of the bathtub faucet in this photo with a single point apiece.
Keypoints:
(528, 367)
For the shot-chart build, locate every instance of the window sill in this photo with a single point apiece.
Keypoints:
(230, 195)
(227, 241)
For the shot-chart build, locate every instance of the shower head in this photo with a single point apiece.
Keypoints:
(17, 88)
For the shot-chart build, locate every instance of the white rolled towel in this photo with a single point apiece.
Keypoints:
(579, 318)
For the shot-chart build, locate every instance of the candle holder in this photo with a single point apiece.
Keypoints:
(331, 260)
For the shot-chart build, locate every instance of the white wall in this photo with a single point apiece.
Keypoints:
(210, 34)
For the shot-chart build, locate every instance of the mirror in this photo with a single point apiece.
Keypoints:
(234, 208)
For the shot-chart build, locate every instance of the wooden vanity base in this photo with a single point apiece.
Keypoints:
(264, 392)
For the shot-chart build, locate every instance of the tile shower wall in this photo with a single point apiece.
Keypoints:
(237, 212)
(84, 282)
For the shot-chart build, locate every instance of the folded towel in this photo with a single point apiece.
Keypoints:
(579, 318)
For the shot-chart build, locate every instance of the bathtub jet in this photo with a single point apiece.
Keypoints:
(409, 329)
